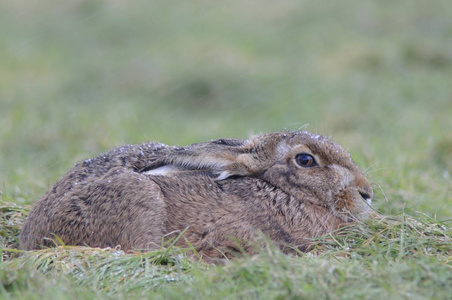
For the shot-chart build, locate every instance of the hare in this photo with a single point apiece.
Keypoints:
(289, 186)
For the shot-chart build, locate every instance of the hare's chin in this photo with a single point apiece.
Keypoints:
(348, 217)
(359, 211)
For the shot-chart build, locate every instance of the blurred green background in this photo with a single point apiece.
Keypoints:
(80, 77)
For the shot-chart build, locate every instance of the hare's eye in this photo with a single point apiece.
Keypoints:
(305, 160)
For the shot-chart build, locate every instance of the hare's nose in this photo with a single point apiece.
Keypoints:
(364, 189)
(366, 196)
(366, 193)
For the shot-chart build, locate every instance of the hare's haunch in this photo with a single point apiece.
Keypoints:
(289, 186)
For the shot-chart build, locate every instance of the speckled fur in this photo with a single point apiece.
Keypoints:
(223, 193)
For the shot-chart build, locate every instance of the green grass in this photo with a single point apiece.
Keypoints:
(396, 257)
(78, 78)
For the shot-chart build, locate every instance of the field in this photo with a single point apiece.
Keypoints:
(80, 77)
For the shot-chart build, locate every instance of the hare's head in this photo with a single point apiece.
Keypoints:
(316, 170)
(308, 167)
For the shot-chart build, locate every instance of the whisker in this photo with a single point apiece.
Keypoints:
(382, 192)
(375, 170)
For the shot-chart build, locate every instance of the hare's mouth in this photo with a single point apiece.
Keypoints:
(351, 205)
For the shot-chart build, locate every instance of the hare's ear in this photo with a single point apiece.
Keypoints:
(189, 160)
(244, 164)
(224, 158)
(255, 156)
(225, 163)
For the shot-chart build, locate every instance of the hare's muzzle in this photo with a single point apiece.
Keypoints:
(367, 197)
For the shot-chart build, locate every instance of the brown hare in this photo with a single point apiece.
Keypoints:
(289, 186)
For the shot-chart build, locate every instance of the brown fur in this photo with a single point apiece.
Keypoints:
(223, 193)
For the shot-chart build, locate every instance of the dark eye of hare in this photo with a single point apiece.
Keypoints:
(305, 160)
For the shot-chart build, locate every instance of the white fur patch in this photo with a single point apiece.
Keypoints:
(224, 175)
(202, 162)
(282, 149)
(162, 171)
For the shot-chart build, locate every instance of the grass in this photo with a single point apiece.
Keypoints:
(396, 257)
(81, 77)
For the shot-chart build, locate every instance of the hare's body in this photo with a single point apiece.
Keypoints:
(289, 186)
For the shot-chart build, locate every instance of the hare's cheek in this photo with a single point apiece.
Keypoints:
(344, 201)
(350, 203)
(342, 177)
